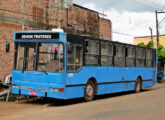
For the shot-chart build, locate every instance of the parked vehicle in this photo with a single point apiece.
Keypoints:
(65, 66)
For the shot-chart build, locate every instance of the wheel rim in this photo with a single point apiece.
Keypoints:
(89, 90)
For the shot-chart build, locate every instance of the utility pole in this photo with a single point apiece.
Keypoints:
(59, 13)
(157, 26)
(23, 17)
(151, 33)
(157, 29)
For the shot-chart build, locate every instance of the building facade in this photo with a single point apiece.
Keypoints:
(42, 15)
(147, 39)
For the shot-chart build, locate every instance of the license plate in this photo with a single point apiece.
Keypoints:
(33, 92)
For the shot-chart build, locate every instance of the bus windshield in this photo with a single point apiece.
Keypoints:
(43, 57)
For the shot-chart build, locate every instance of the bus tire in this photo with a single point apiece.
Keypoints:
(89, 91)
(138, 85)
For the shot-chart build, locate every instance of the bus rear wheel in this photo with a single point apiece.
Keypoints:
(89, 91)
(138, 85)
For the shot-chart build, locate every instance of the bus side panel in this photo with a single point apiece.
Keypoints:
(146, 84)
(74, 92)
(109, 79)
(116, 87)
(75, 82)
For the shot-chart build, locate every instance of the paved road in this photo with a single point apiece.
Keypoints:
(147, 105)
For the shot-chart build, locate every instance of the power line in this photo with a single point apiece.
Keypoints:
(122, 33)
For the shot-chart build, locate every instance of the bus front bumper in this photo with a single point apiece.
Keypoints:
(50, 90)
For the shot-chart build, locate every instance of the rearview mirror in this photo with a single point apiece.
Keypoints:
(7, 47)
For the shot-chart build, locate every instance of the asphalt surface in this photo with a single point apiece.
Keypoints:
(146, 105)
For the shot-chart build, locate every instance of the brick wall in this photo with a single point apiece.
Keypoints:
(82, 21)
(105, 29)
(6, 59)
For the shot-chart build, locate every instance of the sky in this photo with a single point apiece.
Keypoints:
(130, 18)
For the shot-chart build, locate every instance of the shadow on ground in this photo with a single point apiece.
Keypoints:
(48, 102)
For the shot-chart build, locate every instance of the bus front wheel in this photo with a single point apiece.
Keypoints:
(89, 91)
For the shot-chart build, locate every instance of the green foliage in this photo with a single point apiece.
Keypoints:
(161, 54)
(141, 44)
(160, 50)
(150, 44)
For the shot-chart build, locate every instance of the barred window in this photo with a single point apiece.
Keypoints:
(74, 58)
(119, 56)
(130, 56)
(140, 57)
(106, 54)
(92, 53)
(149, 58)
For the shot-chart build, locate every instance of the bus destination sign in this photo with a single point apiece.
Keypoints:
(37, 36)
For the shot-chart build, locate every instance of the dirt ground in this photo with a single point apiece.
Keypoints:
(147, 105)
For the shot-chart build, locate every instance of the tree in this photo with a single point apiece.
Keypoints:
(161, 54)
(141, 44)
(160, 50)
(150, 44)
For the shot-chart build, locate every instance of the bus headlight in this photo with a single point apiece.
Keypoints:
(15, 86)
(57, 89)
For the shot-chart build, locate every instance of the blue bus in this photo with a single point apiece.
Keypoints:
(57, 65)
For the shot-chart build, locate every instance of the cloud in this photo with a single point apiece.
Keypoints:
(130, 18)
(125, 5)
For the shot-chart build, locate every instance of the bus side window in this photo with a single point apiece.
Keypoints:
(92, 53)
(140, 57)
(119, 56)
(130, 56)
(149, 58)
(106, 53)
(75, 58)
